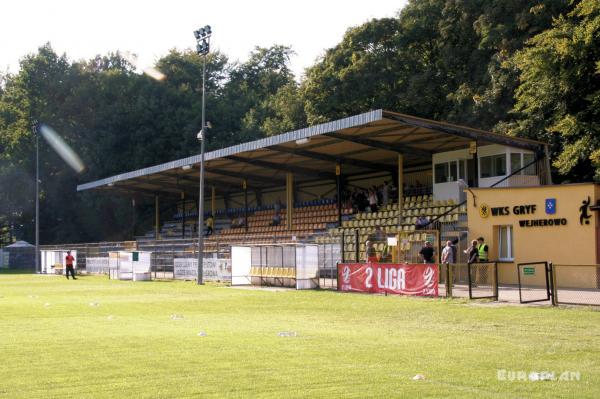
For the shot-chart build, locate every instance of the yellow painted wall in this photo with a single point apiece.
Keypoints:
(572, 244)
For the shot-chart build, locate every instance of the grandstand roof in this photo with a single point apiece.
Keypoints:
(367, 142)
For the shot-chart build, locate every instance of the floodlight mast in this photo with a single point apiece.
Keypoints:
(36, 132)
(202, 36)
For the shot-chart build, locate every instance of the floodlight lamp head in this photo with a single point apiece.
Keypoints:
(200, 135)
(197, 34)
(207, 30)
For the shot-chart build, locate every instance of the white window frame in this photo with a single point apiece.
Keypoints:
(493, 171)
(522, 164)
(508, 230)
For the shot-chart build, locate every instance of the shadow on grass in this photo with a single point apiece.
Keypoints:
(17, 271)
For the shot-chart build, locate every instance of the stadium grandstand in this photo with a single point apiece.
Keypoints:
(310, 178)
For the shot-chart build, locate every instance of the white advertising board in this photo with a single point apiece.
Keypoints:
(213, 269)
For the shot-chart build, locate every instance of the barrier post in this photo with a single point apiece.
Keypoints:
(469, 281)
(553, 284)
(496, 280)
(342, 247)
(448, 281)
(356, 246)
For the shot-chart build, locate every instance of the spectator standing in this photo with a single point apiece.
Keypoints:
(385, 194)
(373, 199)
(472, 254)
(371, 252)
(69, 265)
(448, 253)
(210, 224)
(482, 250)
(427, 252)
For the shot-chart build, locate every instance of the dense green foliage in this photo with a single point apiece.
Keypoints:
(100, 338)
(558, 100)
(523, 67)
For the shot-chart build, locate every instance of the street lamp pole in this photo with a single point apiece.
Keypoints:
(35, 129)
(202, 36)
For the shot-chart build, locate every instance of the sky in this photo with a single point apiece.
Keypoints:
(150, 28)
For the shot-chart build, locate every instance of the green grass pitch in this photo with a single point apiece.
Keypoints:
(95, 338)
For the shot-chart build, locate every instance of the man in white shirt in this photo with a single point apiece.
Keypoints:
(448, 253)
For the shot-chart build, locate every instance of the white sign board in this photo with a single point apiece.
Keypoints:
(124, 265)
(96, 265)
(213, 269)
(241, 260)
(307, 266)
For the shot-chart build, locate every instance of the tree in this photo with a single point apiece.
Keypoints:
(439, 59)
(558, 98)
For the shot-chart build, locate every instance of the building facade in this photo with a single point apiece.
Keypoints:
(556, 223)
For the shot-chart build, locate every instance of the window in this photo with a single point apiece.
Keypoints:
(505, 243)
(445, 172)
(518, 161)
(515, 162)
(527, 159)
(492, 166)
(461, 169)
(441, 171)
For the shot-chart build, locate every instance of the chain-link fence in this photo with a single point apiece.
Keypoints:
(534, 282)
(474, 281)
(92, 250)
(483, 280)
(576, 284)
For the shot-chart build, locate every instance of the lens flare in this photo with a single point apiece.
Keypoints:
(62, 148)
(150, 71)
(155, 74)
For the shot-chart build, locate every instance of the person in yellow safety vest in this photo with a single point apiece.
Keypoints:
(210, 225)
(482, 250)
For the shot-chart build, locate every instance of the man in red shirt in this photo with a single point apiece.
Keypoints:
(69, 265)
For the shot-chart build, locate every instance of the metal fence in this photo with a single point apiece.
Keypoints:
(473, 281)
(92, 250)
(576, 284)
(329, 257)
(534, 282)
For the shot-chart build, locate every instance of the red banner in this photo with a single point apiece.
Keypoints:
(402, 279)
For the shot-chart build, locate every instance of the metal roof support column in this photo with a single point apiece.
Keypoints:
(156, 219)
(133, 216)
(475, 165)
(245, 187)
(182, 214)
(213, 201)
(400, 194)
(289, 190)
(338, 186)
